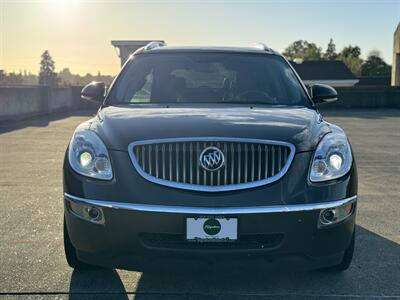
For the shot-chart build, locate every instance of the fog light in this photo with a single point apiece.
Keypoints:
(86, 212)
(93, 213)
(334, 215)
(329, 215)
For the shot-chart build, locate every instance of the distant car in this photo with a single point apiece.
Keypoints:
(198, 151)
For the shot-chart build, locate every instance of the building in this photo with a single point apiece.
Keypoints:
(396, 57)
(331, 72)
(126, 48)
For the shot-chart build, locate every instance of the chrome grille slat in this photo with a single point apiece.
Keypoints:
(204, 173)
(150, 161)
(191, 163)
(252, 162)
(177, 161)
(248, 162)
(184, 162)
(226, 171)
(163, 161)
(232, 164)
(170, 161)
(266, 161)
(239, 163)
(272, 160)
(157, 165)
(142, 156)
(219, 171)
(197, 163)
(259, 163)
(246, 151)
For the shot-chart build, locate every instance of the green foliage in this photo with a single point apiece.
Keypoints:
(3, 76)
(330, 53)
(47, 74)
(68, 79)
(375, 66)
(65, 78)
(353, 63)
(350, 55)
(353, 51)
(303, 50)
(17, 78)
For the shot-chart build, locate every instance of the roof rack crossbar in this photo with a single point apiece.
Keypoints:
(262, 46)
(149, 46)
(153, 45)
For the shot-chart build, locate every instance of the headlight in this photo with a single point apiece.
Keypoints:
(332, 159)
(88, 155)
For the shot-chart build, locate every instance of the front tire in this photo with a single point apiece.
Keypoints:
(70, 253)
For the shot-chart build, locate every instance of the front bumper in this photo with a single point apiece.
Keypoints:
(133, 234)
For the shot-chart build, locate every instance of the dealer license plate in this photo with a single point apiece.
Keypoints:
(211, 229)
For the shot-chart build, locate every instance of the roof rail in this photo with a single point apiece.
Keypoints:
(153, 45)
(149, 46)
(262, 46)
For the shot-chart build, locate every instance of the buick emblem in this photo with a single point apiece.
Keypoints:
(211, 159)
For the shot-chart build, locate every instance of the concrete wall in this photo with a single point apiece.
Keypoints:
(366, 97)
(18, 102)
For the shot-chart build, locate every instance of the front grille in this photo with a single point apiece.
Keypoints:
(178, 241)
(176, 163)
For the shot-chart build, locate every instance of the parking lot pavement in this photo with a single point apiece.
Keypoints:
(32, 263)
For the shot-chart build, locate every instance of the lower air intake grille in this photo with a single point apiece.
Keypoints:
(178, 241)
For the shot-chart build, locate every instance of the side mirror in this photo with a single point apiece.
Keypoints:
(94, 91)
(323, 93)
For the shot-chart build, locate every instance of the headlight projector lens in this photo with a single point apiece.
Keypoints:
(101, 164)
(335, 161)
(85, 159)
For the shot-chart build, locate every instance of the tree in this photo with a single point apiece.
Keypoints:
(350, 55)
(47, 75)
(375, 65)
(66, 77)
(3, 76)
(330, 53)
(303, 50)
(351, 51)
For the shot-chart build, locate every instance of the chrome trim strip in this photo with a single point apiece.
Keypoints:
(212, 210)
(198, 187)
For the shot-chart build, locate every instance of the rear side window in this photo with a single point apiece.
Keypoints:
(208, 77)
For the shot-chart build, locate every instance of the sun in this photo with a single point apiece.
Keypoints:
(62, 7)
(62, 2)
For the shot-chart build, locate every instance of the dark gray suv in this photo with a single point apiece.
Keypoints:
(208, 150)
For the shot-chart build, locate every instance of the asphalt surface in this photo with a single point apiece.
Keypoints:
(32, 264)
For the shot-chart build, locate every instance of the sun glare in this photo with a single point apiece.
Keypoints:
(62, 8)
(62, 3)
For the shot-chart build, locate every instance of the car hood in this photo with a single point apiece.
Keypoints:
(118, 126)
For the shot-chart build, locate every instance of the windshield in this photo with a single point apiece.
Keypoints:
(208, 77)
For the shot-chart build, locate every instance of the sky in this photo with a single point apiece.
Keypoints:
(77, 33)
